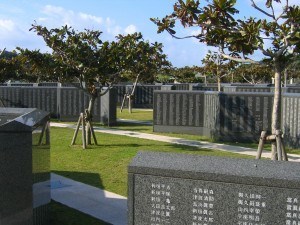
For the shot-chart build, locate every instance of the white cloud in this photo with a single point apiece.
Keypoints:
(7, 25)
(54, 16)
(88, 17)
(130, 29)
(114, 30)
(15, 35)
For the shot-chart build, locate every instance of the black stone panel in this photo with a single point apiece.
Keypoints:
(244, 115)
(10, 96)
(24, 166)
(291, 119)
(188, 189)
(71, 103)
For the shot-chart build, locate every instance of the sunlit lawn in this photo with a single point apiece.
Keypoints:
(105, 165)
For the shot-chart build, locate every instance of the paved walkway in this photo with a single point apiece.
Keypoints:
(103, 205)
(181, 141)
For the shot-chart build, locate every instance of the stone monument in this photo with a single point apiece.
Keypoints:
(24, 166)
(179, 189)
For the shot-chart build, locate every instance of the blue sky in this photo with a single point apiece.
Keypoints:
(110, 16)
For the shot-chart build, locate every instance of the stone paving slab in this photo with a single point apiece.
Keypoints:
(98, 203)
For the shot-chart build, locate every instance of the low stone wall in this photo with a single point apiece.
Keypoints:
(224, 116)
(291, 118)
(64, 103)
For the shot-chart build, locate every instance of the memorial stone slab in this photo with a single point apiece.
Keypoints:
(291, 119)
(221, 116)
(244, 115)
(24, 166)
(108, 107)
(70, 103)
(178, 111)
(10, 96)
(165, 188)
(121, 91)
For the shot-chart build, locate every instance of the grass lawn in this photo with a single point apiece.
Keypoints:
(105, 165)
(141, 114)
(137, 114)
(63, 215)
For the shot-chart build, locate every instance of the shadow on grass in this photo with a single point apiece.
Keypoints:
(93, 179)
(63, 215)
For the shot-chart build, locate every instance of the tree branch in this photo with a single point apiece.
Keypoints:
(265, 52)
(107, 89)
(262, 11)
(240, 60)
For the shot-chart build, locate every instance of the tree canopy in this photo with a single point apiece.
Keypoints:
(274, 34)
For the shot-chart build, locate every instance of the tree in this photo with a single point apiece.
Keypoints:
(217, 66)
(81, 56)
(237, 39)
(186, 74)
(254, 73)
(140, 60)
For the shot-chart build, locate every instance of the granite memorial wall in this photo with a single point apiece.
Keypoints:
(143, 96)
(202, 87)
(64, 103)
(291, 119)
(221, 116)
(165, 188)
(25, 167)
(246, 89)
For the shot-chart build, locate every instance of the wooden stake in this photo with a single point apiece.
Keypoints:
(83, 132)
(48, 133)
(93, 133)
(285, 157)
(278, 145)
(261, 144)
(42, 134)
(276, 139)
(76, 130)
(123, 102)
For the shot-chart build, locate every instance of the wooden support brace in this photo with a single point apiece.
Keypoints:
(83, 132)
(77, 129)
(261, 144)
(42, 134)
(93, 133)
(278, 145)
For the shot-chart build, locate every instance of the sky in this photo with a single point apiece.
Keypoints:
(112, 17)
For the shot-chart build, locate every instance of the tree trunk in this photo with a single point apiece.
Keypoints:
(89, 115)
(219, 83)
(130, 103)
(276, 120)
(285, 77)
(131, 95)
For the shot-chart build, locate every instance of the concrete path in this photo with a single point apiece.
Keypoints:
(181, 141)
(103, 205)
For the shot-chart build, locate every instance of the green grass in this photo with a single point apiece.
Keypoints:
(105, 165)
(149, 129)
(137, 114)
(63, 215)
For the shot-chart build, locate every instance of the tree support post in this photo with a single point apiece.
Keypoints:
(275, 139)
(87, 127)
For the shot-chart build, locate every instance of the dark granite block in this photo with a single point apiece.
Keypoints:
(187, 189)
(25, 166)
(108, 107)
(70, 103)
(291, 119)
(221, 116)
